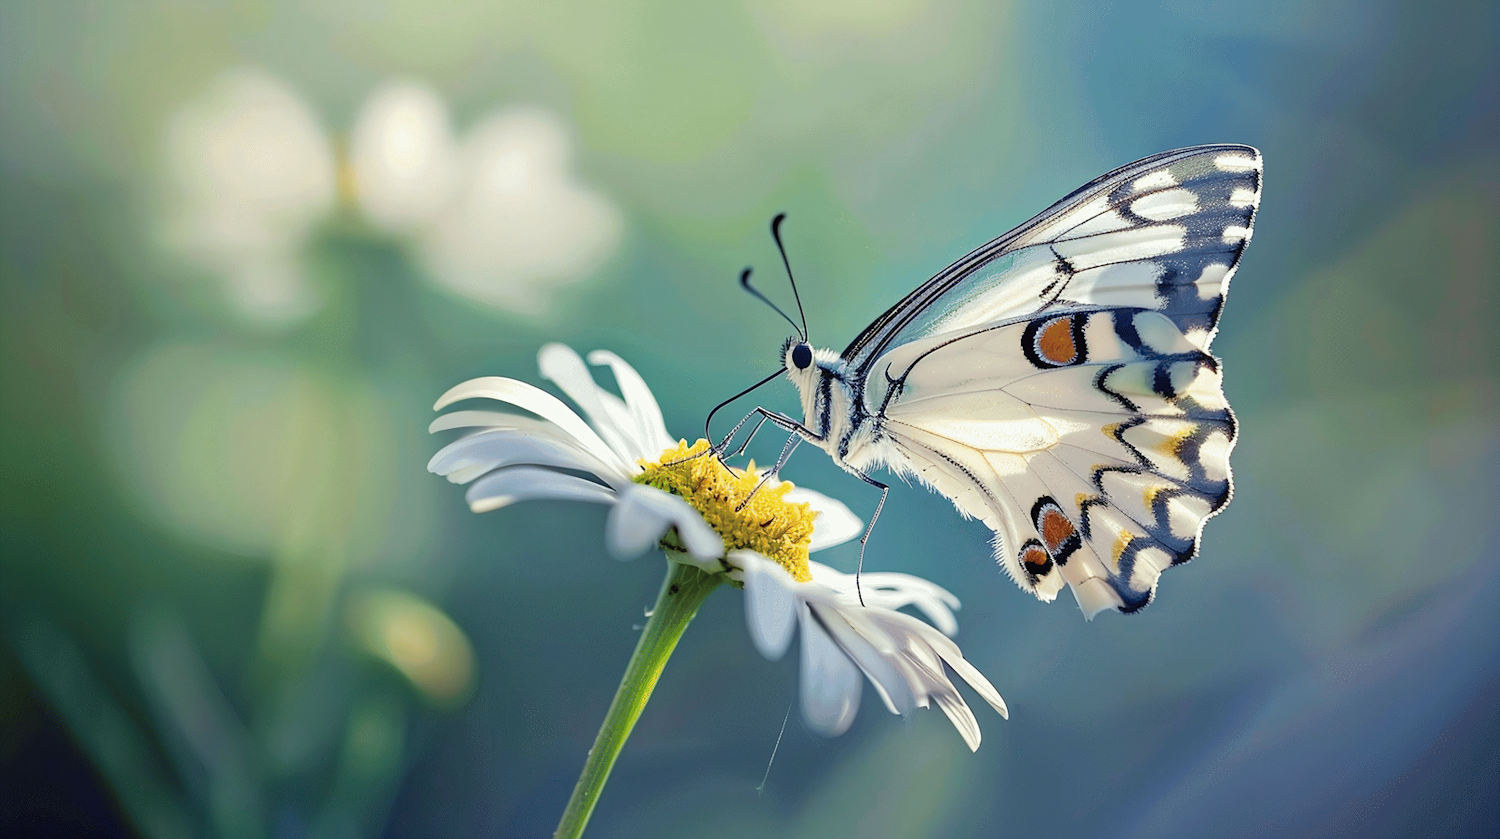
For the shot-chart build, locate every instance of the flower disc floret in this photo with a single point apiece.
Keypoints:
(748, 519)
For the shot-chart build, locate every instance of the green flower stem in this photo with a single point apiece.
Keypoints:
(682, 592)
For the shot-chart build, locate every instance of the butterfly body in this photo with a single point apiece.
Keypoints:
(1056, 383)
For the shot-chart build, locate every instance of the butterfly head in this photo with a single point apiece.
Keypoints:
(799, 354)
(807, 368)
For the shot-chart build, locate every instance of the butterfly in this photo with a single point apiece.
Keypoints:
(1056, 383)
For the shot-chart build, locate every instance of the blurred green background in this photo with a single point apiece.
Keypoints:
(236, 604)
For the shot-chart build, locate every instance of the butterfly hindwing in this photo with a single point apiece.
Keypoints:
(1095, 444)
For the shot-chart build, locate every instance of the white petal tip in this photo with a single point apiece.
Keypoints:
(494, 502)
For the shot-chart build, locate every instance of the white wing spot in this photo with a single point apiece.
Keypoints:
(1160, 179)
(1117, 284)
(1185, 515)
(1122, 245)
(1234, 233)
(1157, 333)
(1244, 197)
(1164, 205)
(1210, 282)
(1235, 163)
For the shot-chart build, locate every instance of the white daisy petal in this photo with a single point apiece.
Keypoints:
(467, 458)
(638, 398)
(488, 419)
(466, 474)
(541, 403)
(951, 655)
(873, 654)
(617, 415)
(559, 363)
(962, 718)
(836, 523)
(770, 605)
(643, 514)
(830, 682)
(504, 487)
(902, 657)
(891, 590)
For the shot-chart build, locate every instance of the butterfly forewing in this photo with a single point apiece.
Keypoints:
(1164, 233)
(1056, 382)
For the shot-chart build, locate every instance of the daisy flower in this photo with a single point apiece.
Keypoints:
(716, 525)
(622, 443)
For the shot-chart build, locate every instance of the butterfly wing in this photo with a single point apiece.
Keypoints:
(1164, 233)
(1056, 383)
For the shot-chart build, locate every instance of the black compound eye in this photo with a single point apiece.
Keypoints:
(802, 356)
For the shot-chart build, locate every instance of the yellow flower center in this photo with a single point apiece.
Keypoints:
(767, 523)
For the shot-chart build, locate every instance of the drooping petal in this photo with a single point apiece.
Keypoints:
(770, 604)
(644, 514)
(872, 653)
(469, 457)
(504, 487)
(919, 656)
(639, 400)
(606, 413)
(830, 682)
(543, 404)
(890, 590)
(958, 713)
(836, 523)
(944, 648)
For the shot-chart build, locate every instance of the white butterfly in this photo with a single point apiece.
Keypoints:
(1056, 383)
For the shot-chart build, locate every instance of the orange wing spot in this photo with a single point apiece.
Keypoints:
(1036, 558)
(1055, 529)
(1121, 544)
(1055, 342)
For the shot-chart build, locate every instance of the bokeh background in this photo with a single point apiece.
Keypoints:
(245, 245)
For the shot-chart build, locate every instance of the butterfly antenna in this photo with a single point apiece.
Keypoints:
(776, 234)
(745, 281)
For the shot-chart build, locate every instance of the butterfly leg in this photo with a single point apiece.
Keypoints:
(722, 446)
(869, 528)
(786, 453)
(751, 436)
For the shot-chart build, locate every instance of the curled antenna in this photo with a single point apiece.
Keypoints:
(745, 281)
(776, 234)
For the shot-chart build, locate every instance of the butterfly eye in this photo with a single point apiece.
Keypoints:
(802, 356)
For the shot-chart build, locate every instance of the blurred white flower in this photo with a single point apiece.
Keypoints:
(520, 224)
(497, 218)
(517, 458)
(250, 171)
(403, 156)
